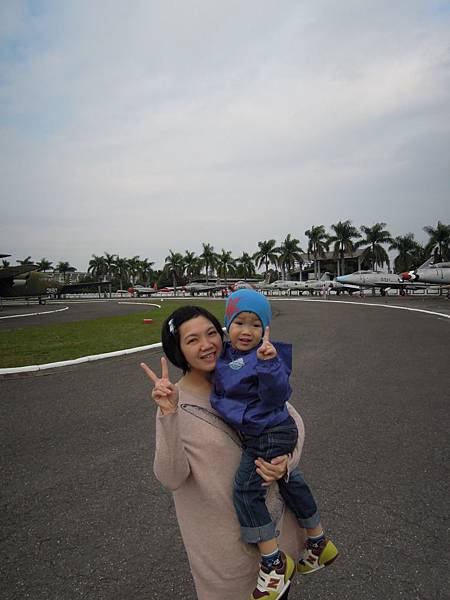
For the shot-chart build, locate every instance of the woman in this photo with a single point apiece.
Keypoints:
(197, 455)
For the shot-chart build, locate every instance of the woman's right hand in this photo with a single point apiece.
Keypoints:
(164, 393)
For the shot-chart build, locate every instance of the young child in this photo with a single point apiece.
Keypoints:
(250, 391)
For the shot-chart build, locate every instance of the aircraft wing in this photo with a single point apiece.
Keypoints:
(11, 272)
(75, 287)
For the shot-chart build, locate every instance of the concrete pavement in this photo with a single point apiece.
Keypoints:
(84, 517)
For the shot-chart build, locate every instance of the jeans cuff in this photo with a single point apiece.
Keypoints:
(253, 535)
(310, 522)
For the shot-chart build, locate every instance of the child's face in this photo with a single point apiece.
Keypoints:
(245, 331)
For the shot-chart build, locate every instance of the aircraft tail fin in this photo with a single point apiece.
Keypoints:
(427, 263)
(326, 276)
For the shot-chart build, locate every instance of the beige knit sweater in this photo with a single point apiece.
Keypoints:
(196, 457)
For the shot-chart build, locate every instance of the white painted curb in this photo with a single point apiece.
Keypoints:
(77, 361)
(46, 312)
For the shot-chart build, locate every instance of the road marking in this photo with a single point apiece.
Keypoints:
(142, 304)
(421, 310)
(46, 312)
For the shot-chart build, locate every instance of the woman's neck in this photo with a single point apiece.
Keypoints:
(197, 381)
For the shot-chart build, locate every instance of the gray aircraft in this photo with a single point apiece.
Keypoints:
(205, 288)
(378, 280)
(438, 273)
(311, 286)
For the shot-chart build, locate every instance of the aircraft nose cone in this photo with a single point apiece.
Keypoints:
(341, 279)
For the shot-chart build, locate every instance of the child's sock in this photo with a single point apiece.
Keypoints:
(271, 561)
(316, 540)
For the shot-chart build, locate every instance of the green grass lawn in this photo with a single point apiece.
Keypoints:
(42, 344)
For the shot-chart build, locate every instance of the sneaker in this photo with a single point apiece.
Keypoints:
(317, 556)
(273, 584)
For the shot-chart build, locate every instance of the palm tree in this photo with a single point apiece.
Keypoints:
(174, 266)
(344, 234)
(317, 245)
(5, 263)
(146, 271)
(245, 266)
(134, 266)
(97, 266)
(439, 243)
(110, 260)
(375, 237)
(290, 254)
(64, 268)
(266, 255)
(25, 261)
(209, 258)
(44, 265)
(121, 270)
(408, 251)
(225, 264)
(192, 264)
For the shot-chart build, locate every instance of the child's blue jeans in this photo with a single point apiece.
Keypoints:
(250, 496)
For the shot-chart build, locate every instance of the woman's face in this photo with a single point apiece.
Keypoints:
(200, 343)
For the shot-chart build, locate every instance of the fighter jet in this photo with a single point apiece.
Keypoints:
(311, 286)
(205, 288)
(139, 290)
(438, 273)
(377, 279)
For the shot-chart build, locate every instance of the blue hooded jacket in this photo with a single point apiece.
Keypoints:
(249, 393)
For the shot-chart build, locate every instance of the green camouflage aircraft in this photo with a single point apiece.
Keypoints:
(24, 281)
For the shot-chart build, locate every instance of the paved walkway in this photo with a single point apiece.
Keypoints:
(84, 517)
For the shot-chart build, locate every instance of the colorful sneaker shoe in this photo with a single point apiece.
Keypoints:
(317, 556)
(273, 584)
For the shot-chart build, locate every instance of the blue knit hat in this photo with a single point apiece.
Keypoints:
(247, 301)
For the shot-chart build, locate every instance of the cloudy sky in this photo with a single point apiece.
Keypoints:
(135, 126)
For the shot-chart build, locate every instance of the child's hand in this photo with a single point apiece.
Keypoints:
(267, 350)
(164, 393)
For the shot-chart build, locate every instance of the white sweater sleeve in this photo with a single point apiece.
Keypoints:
(171, 465)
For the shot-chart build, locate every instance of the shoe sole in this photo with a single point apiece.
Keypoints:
(327, 564)
(286, 587)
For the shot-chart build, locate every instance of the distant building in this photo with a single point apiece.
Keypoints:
(69, 277)
(328, 262)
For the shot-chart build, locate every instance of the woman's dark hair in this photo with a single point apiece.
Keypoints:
(170, 335)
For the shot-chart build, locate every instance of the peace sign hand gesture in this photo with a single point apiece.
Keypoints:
(267, 350)
(164, 393)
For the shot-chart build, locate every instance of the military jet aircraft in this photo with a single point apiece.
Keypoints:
(24, 281)
(438, 273)
(205, 288)
(378, 280)
(139, 290)
(311, 286)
